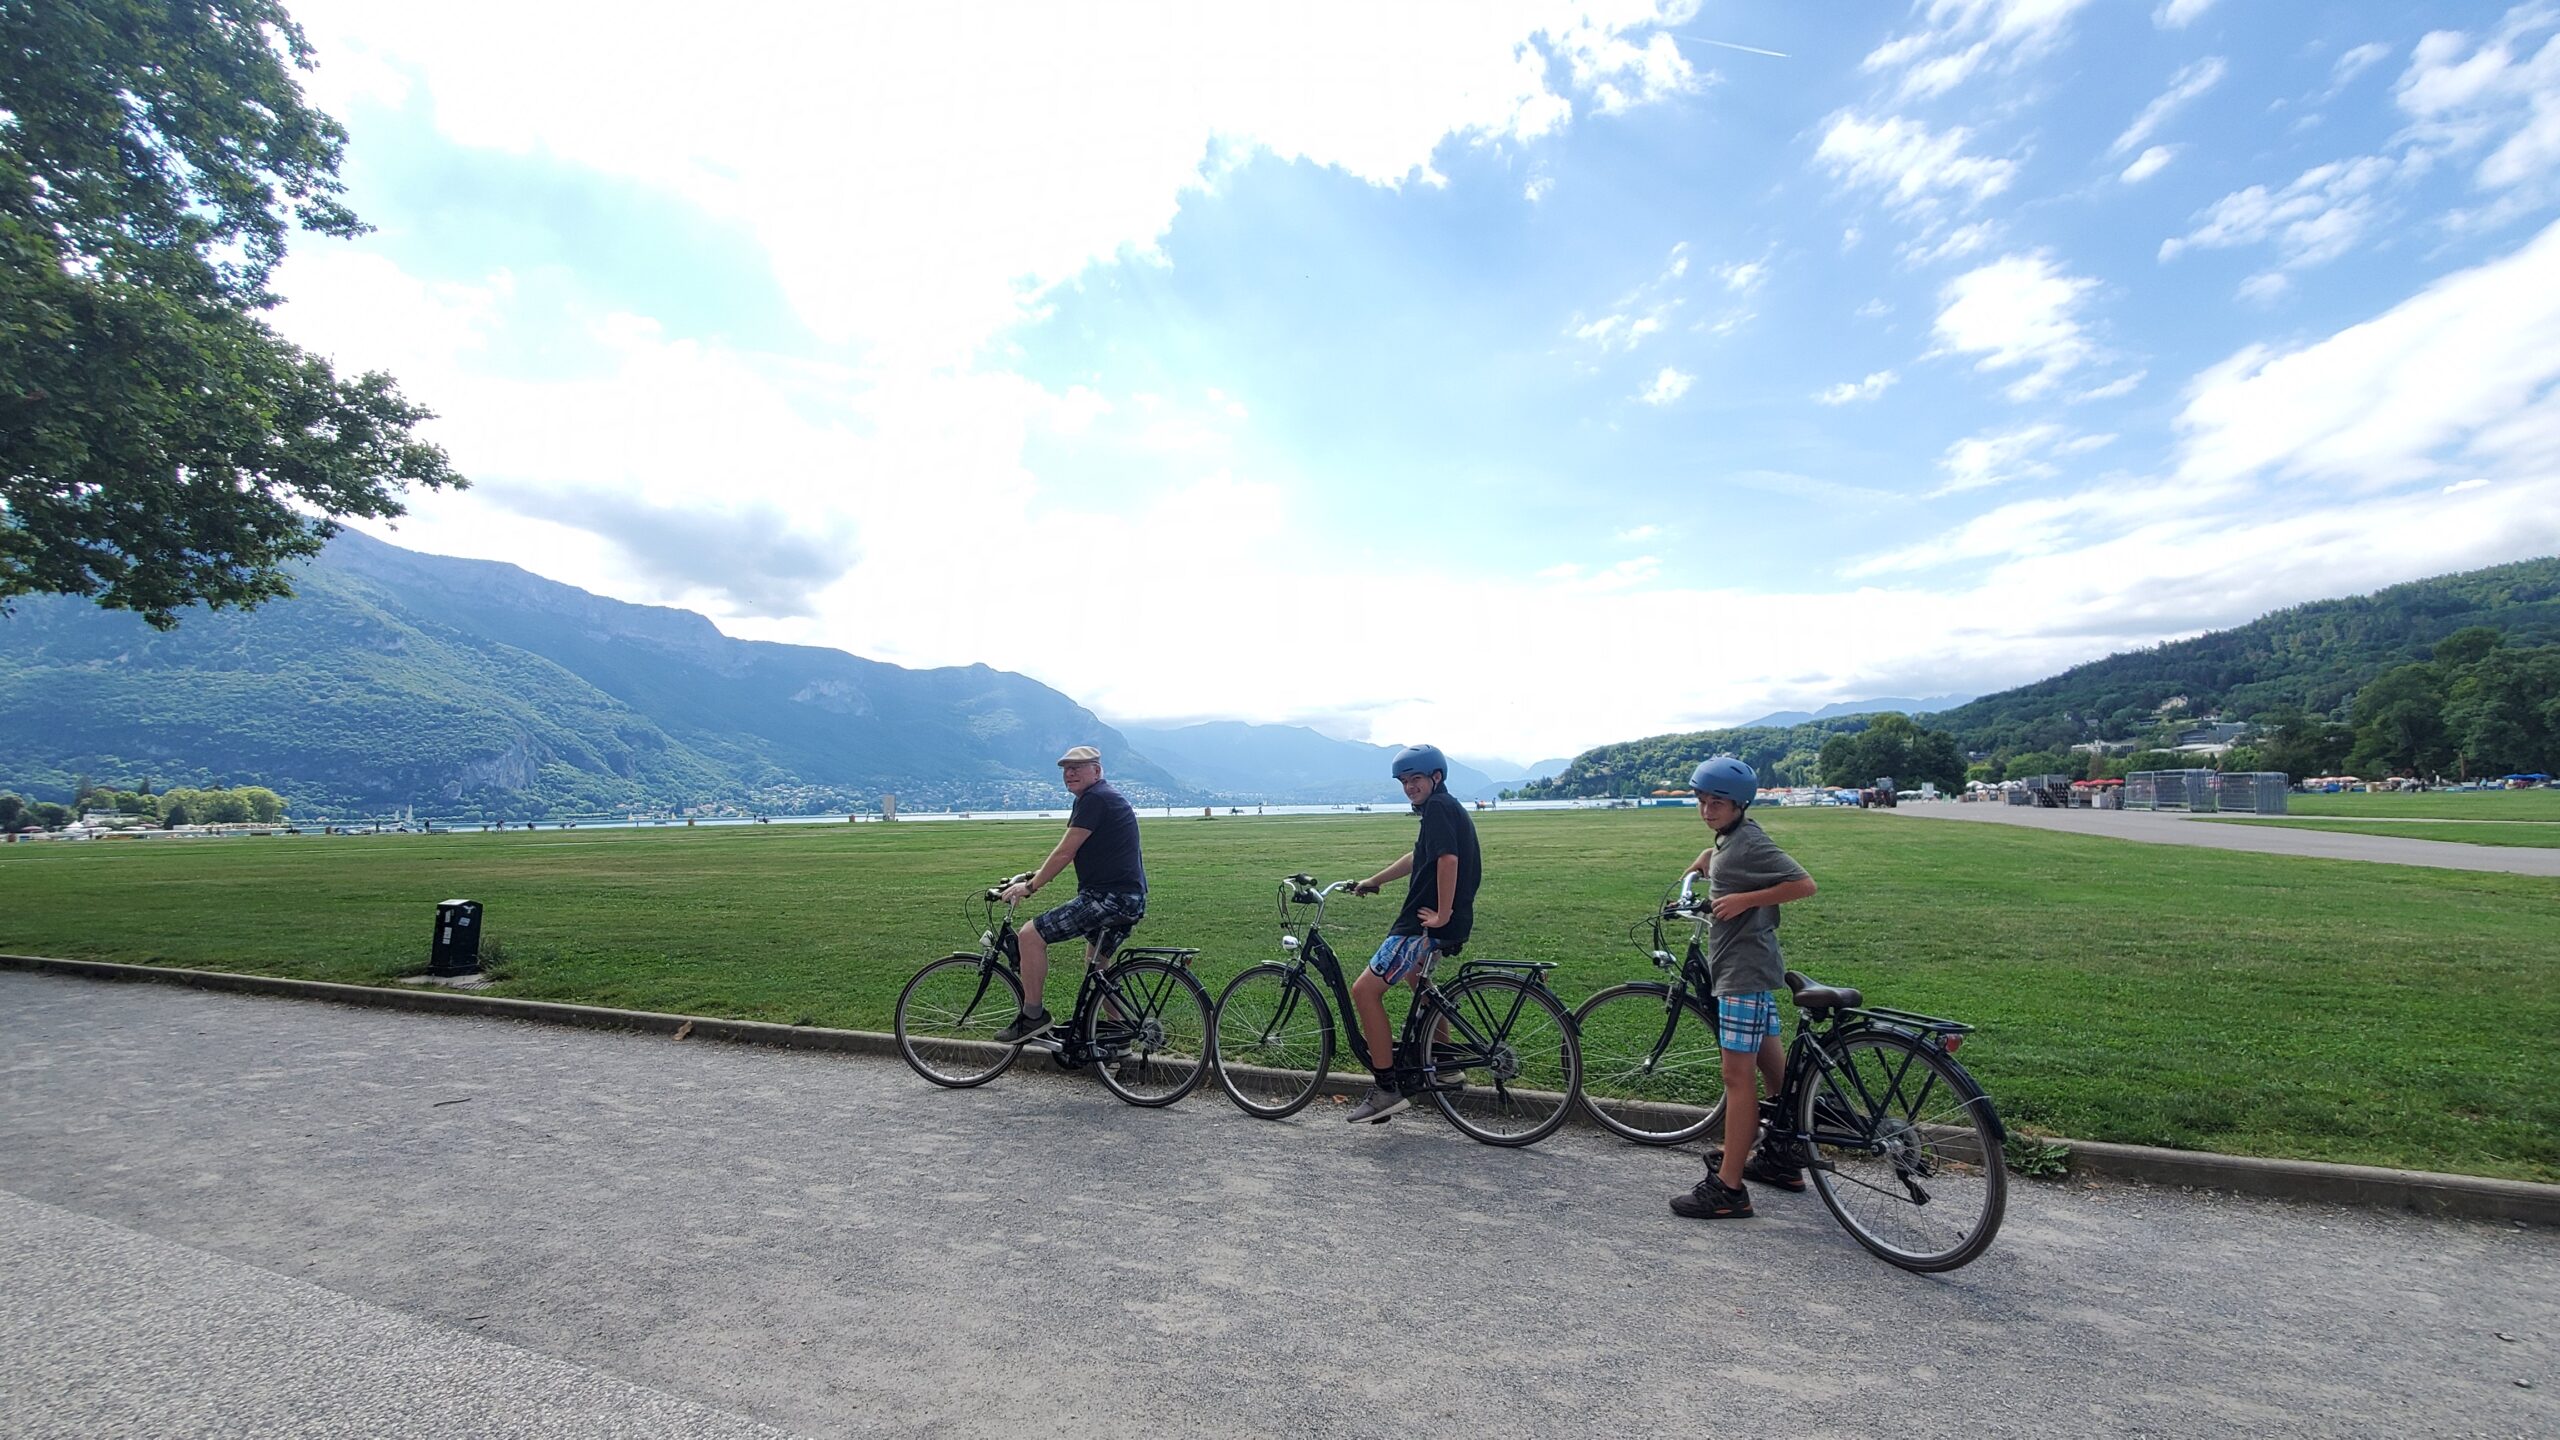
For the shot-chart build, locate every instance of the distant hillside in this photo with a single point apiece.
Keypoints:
(1284, 764)
(1783, 754)
(465, 687)
(2313, 657)
(1845, 708)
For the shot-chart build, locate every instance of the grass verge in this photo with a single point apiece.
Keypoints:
(2154, 995)
(2532, 834)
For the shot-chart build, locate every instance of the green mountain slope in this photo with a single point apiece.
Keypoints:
(2312, 657)
(469, 688)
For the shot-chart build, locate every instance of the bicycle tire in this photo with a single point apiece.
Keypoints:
(1934, 1127)
(1157, 1050)
(948, 1016)
(1274, 1041)
(1533, 1065)
(1630, 1092)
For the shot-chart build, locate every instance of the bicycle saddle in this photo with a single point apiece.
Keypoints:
(1810, 996)
(1109, 939)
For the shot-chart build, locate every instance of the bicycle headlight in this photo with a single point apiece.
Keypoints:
(1289, 942)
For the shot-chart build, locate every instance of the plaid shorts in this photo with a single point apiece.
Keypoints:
(1089, 914)
(1743, 1021)
(1401, 957)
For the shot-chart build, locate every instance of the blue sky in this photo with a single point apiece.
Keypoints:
(1520, 376)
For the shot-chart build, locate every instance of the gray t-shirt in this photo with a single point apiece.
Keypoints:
(1742, 955)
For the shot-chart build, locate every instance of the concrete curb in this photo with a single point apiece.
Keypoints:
(2463, 1196)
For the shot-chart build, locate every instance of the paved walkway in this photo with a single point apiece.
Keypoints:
(2178, 828)
(224, 1215)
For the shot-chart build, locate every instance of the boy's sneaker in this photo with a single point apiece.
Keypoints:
(1377, 1105)
(1025, 1026)
(1711, 1201)
(1761, 1168)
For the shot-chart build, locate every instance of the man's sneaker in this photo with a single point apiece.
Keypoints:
(1377, 1105)
(1025, 1026)
(1711, 1201)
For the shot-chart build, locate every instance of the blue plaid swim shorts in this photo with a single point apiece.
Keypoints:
(1089, 914)
(1401, 957)
(1743, 1021)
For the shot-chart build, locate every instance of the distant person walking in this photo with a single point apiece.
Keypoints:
(1111, 882)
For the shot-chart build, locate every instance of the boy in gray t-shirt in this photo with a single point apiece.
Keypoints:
(1748, 878)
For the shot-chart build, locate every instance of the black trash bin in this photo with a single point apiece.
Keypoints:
(457, 944)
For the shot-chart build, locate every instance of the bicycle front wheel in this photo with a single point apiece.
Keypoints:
(1508, 1069)
(1650, 1069)
(948, 1016)
(1275, 1041)
(1150, 1032)
(1905, 1151)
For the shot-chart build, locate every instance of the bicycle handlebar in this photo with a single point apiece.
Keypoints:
(996, 891)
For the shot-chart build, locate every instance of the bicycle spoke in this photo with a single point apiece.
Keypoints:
(948, 1016)
(1649, 1072)
(1274, 1041)
(1916, 1175)
(1157, 1048)
(1510, 1069)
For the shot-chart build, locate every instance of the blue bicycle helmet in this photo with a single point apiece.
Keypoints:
(1726, 776)
(1418, 760)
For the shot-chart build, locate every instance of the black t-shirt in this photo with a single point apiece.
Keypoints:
(1108, 860)
(1446, 830)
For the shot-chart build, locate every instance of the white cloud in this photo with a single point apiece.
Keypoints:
(2027, 452)
(2320, 216)
(2461, 373)
(2464, 94)
(2194, 80)
(1668, 386)
(1958, 38)
(1874, 309)
(1853, 390)
(2018, 312)
(2120, 386)
(2458, 486)
(1913, 165)
(2179, 14)
(2352, 64)
(1069, 143)
(1636, 534)
(2149, 163)
(1742, 276)
(2265, 288)
(1639, 313)
(1955, 244)
(1537, 189)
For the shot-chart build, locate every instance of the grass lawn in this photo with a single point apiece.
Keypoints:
(2542, 804)
(2542, 834)
(2203, 999)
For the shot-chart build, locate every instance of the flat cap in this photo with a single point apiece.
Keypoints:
(1081, 752)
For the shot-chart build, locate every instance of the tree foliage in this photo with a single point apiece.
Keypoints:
(160, 445)
(1893, 745)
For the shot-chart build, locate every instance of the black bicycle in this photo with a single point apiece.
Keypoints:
(1495, 1047)
(1140, 1017)
(1898, 1138)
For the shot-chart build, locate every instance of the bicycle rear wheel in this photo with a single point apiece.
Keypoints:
(948, 1016)
(1275, 1041)
(1905, 1150)
(1149, 1033)
(1509, 1069)
(1648, 1066)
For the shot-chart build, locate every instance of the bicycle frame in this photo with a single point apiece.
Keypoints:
(1810, 1055)
(1430, 1011)
(1000, 944)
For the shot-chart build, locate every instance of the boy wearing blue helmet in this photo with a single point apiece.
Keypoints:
(1748, 878)
(1439, 913)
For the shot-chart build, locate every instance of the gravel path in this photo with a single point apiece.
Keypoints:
(225, 1215)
